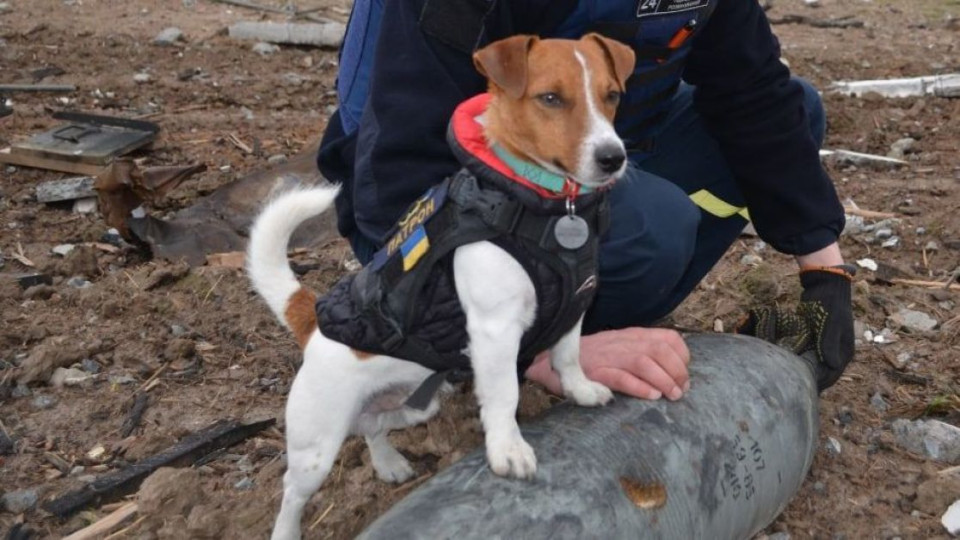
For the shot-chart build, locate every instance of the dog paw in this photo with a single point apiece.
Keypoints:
(393, 468)
(588, 393)
(512, 457)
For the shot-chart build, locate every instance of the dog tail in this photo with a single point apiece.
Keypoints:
(267, 263)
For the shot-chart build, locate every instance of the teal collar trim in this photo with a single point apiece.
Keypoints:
(534, 173)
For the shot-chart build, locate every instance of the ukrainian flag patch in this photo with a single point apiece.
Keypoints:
(414, 247)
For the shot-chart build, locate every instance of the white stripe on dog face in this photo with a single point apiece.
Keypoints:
(599, 133)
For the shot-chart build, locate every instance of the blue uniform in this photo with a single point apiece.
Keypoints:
(717, 132)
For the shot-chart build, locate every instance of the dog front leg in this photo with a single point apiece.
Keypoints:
(565, 359)
(493, 357)
(499, 301)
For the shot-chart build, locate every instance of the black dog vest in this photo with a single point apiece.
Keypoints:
(404, 303)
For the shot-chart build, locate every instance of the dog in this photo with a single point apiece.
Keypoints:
(552, 103)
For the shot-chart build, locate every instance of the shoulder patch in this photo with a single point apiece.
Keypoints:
(647, 8)
(410, 238)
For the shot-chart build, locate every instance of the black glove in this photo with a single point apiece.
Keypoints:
(822, 324)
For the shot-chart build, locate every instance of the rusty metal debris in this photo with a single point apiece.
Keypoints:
(219, 222)
(124, 186)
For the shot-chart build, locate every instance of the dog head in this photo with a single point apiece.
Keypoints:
(553, 103)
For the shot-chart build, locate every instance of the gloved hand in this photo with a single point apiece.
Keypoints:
(822, 324)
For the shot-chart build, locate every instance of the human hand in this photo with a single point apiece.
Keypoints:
(821, 324)
(647, 363)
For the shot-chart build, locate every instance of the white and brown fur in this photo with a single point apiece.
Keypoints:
(339, 391)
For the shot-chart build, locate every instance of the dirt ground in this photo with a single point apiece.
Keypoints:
(203, 347)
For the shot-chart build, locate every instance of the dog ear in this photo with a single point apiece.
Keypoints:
(504, 63)
(620, 57)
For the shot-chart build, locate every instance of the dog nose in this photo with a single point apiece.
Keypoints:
(609, 158)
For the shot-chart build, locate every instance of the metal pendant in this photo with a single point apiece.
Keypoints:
(571, 232)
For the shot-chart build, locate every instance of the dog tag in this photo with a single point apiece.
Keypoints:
(571, 232)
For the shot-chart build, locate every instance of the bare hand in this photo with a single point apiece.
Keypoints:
(647, 363)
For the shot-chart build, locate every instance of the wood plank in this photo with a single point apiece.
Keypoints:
(105, 525)
(49, 164)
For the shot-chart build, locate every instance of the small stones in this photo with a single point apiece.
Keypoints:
(121, 379)
(68, 377)
(878, 403)
(90, 366)
(41, 402)
(277, 159)
(832, 446)
(177, 330)
(819, 488)
(933, 439)
(244, 484)
(883, 233)
(951, 519)
(914, 321)
(751, 259)
(17, 502)
(891, 242)
(63, 249)
(78, 282)
(142, 78)
(265, 49)
(869, 264)
(168, 36)
(902, 147)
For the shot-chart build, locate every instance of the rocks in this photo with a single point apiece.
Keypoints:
(265, 49)
(936, 494)
(69, 189)
(751, 259)
(42, 402)
(177, 330)
(879, 404)
(901, 148)
(277, 159)
(833, 447)
(78, 282)
(891, 242)
(951, 519)
(68, 377)
(933, 439)
(169, 36)
(142, 78)
(883, 233)
(244, 484)
(914, 321)
(90, 366)
(17, 502)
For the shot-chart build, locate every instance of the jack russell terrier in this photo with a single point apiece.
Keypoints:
(489, 268)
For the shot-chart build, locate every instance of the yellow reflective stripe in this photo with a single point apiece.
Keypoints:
(712, 204)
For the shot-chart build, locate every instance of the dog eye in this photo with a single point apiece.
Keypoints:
(612, 97)
(550, 99)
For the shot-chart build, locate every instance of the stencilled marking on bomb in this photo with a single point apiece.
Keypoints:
(739, 474)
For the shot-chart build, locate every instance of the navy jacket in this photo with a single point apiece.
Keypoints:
(399, 84)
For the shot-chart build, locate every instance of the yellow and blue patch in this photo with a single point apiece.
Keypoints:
(414, 247)
(409, 239)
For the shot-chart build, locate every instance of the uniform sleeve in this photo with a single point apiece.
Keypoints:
(756, 113)
(401, 149)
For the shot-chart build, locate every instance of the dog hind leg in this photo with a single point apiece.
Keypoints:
(324, 403)
(389, 464)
